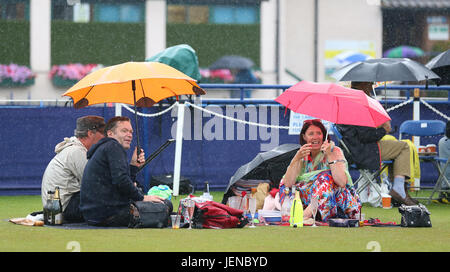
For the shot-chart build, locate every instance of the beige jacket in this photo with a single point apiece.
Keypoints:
(65, 170)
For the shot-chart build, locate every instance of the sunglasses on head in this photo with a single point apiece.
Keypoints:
(312, 121)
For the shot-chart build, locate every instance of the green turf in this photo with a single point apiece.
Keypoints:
(261, 239)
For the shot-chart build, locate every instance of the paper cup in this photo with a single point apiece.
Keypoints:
(386, 201)
(422, 149)
(175, 221)
(431, 148)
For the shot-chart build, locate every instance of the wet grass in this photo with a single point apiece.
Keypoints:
(17, 238)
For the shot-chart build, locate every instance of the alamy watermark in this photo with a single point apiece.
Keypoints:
(230, 124)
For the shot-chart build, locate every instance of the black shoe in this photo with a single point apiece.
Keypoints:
(407, 201)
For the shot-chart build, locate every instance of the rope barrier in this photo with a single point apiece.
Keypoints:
(234, 119)
(435, 110)
(399, 105)
(151, 114)
(266, 125)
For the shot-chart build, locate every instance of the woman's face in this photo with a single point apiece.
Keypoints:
(314, 136)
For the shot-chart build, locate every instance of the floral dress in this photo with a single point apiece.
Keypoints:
(315, 179)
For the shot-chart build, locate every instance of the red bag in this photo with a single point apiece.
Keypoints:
(214, 215)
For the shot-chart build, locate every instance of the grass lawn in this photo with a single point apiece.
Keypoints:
(18, 238)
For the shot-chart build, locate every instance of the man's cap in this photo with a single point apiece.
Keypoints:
(90, 122)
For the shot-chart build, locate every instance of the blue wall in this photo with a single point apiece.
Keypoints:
(28, 137)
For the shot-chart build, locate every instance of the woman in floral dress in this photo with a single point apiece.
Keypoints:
(319, 169)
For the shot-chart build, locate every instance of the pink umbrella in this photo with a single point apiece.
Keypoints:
(334, 103)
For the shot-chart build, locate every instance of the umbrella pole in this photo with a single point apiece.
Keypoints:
(133, 86)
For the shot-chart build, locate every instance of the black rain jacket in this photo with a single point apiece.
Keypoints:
(362, 143)
(107, 187)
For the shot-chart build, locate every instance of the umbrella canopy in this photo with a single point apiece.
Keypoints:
(384, 69)
(334, 103)
(403, 51)
(232, 62)
(181, 57)
(140, 84)
(269, 165)
(441, 66)
(154, 82)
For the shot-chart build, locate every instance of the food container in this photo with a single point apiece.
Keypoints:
(422, 149)
(431, 148)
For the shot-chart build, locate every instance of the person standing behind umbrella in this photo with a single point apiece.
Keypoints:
(319, 169)
(243, 76)
(66, 169)
(368, 151)
(108, 188)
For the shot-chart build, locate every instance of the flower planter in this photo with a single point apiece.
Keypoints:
(59, 81)
(9, 83)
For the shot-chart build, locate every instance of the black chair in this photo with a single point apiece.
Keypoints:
(428, 128)
(366, 177)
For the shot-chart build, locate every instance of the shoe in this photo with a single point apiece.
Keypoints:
(415, 201)
(407, 201)
(443, 198)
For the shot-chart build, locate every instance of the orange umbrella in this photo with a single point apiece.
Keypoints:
(153, 82)
(140, 84)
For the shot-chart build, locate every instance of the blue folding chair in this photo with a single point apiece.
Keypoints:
(366, 177)
(428, 128)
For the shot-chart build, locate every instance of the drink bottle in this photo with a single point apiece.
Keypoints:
(56, 211)
(296, 219)
(47, 208)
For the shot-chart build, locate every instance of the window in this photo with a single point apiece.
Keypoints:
(99, 12)
(216, 14)
(15, 10)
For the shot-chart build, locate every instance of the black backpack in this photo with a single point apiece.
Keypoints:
(184, 188)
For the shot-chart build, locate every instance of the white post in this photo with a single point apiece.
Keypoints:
(118, 109)
(416, 116)
(40, 24)
(178, 147)
(155, 27)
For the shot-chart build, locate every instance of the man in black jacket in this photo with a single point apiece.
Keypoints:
(108, 186)
(367, 151)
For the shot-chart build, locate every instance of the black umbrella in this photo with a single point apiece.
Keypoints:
(441, 66)
(270, 165)
(384, 69)
(232, 62)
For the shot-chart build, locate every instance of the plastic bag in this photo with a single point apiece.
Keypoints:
(163, 191)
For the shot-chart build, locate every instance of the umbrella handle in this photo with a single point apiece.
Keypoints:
(133, 87)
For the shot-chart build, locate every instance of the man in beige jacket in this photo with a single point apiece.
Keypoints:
(66, 169)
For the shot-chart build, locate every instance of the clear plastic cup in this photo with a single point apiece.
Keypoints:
(175, 218)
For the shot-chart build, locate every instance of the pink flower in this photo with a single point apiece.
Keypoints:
(17, 73)
(71, 71)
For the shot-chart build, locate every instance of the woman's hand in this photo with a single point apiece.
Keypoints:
(303, 152)
(327, 148)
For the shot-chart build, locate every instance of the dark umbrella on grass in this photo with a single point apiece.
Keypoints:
(270, 165)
